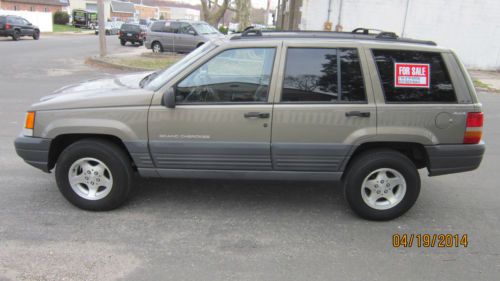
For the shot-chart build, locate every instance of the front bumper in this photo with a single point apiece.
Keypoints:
(454, 158)
(34, 151)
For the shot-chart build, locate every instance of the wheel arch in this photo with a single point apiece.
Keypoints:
(416, 152)
(61, 142)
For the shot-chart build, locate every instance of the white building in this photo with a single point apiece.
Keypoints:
(470, 27)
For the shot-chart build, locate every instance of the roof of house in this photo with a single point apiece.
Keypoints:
(42, 2)
(122, 7)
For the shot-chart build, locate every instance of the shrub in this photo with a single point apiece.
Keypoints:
(61, 17)
(223, 29)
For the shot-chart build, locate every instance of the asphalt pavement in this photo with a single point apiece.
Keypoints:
(223, 230)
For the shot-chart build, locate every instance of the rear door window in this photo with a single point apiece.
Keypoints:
(157, 26)
(323, 75)
(413, 76)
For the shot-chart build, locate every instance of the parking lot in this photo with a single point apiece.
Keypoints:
(223, 230)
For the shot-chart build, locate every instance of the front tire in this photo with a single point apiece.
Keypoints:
(36, 34)
(94, 175)
(381, 184)
(123, 42)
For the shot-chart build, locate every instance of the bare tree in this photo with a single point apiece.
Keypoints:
(212, 12)
(243, 11)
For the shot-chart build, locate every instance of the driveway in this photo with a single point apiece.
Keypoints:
(223, 230)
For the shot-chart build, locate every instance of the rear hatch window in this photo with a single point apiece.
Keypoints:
(131, 28)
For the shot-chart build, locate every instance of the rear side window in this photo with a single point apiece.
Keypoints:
(157, 26)
(326, 75)
(2, 19)
(413, 76)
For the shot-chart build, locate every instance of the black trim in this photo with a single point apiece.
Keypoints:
(454, 158)
(34, 151)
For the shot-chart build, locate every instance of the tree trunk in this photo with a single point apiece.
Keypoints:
(213, 15)
(243, 9)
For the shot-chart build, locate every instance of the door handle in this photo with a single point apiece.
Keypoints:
(357, 113)
(257, 115)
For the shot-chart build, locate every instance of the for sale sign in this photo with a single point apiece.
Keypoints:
(412, 75)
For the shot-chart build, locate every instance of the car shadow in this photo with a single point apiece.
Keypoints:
(214, 194)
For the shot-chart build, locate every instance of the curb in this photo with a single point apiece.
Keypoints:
(96, 61)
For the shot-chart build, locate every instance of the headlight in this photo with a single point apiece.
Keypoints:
(29, 124)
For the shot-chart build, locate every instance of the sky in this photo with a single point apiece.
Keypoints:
(255, 3)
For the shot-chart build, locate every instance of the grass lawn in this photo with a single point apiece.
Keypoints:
(65, 28)
(481, 84)
(152, 63)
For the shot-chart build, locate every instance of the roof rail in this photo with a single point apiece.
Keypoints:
(358, 33)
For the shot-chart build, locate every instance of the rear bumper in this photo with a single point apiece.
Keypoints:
(34, 151)
(5, 33)
(449, 159)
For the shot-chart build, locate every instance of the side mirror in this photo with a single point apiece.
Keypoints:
(169, 98)
(192, 32)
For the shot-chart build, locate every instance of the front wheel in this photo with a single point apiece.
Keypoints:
(36, 34)
(381, 184)
(94, 174)
(123, 42)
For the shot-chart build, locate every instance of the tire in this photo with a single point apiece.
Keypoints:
(36, 34)
(111, 168)
(141, 43)
(123, 42)
(378, 173)
(107, 32)
(157, 47)
(16, 35)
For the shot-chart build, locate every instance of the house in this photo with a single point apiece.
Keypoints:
(124, 11)
(34, 5)
(145, 12)
(179, 13)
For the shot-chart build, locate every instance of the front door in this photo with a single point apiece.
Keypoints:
(222, 118)
(324, 107)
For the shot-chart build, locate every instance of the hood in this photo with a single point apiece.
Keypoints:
(120, 90)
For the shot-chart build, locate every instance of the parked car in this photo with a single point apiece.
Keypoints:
(179, 36)
(132, 33)
(85, 19)
(17, 27)
(364, 109)
(111, 28)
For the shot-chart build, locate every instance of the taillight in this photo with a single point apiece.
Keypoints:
(7, 26)
(474, 128)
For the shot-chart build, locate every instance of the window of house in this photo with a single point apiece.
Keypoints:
(436, 84)
(236, 75)
(325, 75)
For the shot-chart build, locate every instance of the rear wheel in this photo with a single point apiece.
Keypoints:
(381, 184)
(16, 35)
(157, 47)
(36, 34)
(94, 175)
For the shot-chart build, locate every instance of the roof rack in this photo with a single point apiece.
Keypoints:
(358, 33)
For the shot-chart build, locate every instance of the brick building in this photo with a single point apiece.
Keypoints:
(123, 11)
(34, 5)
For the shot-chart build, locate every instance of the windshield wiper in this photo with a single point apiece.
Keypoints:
(148, 78)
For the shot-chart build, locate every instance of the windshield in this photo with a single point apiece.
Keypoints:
(162, 77)
(203, 28)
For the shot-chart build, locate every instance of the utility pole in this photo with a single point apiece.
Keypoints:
(102, 28)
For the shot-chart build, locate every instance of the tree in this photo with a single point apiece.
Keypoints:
(214, 14)
(243, 9)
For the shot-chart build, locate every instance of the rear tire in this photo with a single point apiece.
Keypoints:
(36, 34)
(157, 47)
(381, 184)
(16, 35)
(94, 174)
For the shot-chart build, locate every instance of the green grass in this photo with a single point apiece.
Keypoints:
(145, 62)
(482, 85)
(65, 28)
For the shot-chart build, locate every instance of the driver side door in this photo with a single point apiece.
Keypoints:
(222, 118)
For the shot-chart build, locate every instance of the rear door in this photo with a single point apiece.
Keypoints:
(323, 108)
(223, 113)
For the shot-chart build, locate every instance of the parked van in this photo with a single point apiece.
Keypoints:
(179, 36)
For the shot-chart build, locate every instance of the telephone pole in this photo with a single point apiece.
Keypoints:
(102, 28)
